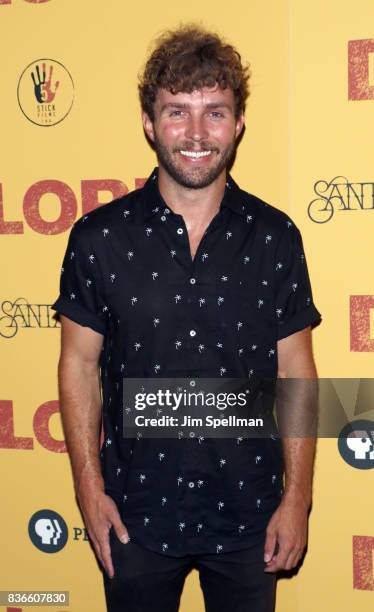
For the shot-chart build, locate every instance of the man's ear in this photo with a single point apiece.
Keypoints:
(239, 125)
(148, 126)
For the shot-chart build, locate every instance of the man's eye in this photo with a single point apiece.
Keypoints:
(176, 113)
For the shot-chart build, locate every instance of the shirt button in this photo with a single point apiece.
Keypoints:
(180, 230)
(191, 484)
(192, 332)
(192, 281)
(167, 211)
(163, 218)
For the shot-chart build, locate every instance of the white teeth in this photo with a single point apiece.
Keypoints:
(195, 154)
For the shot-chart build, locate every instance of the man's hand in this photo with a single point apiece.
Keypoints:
(287, 531)
(100, 513)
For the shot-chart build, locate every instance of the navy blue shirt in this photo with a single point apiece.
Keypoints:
(128, 274)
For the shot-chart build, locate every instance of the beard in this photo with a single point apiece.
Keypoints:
(194, 177)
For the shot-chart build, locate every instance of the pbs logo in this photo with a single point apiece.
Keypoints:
(356, 444)
(48, 531)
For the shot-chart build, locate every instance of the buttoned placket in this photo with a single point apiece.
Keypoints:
(189, 505)
(192, 285)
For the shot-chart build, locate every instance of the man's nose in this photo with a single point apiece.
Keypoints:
(196, 128)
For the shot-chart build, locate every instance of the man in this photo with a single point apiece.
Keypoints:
(187, 277)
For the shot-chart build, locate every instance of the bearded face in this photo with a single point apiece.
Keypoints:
(194, 134)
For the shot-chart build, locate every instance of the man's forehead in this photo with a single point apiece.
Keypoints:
(205, 95)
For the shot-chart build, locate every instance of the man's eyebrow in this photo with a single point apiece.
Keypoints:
(173, 105)
(218, 105)
(182, 105)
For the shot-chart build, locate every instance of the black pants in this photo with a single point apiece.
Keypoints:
(148, 581)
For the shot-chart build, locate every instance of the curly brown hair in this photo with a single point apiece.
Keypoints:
(190, 58)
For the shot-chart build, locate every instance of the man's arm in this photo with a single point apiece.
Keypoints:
(289, 524)
(81, 409)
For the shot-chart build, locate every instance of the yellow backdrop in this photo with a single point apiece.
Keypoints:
(309, 127)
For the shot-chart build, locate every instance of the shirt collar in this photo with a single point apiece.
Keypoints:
(153, 202)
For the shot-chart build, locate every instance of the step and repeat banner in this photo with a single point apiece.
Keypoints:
(72, 140)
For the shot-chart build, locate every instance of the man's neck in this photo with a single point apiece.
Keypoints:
(197, 206)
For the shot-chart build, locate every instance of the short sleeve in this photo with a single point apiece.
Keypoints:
(294, 304)
(81, 291)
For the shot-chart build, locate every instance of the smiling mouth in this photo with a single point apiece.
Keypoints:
(195, 154)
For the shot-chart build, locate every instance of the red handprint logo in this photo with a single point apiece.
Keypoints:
(42, 86)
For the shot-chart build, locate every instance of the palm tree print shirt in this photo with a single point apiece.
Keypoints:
(128, 274)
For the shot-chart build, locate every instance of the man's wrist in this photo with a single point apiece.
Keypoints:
(89, 480)
(296, 496)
